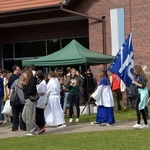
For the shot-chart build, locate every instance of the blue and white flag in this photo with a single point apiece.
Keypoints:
(123, 63)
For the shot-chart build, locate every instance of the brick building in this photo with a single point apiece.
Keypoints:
(29, 29)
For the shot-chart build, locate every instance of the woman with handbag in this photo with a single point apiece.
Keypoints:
(18, 108)
(142, 100)
(29, 111)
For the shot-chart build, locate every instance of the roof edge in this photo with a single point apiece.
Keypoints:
(35, 9)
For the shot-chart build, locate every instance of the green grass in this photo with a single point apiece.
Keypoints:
(129, 114)
(105, 140)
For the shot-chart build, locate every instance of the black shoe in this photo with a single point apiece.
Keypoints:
(23, 129)
(14, 129)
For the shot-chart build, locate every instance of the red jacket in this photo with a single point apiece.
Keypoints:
(115, 82)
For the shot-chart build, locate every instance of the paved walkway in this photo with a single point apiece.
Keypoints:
(5, 128)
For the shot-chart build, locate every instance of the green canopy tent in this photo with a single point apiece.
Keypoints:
(71, 54)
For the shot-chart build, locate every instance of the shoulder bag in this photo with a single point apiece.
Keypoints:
(14, 99)
(34, 97)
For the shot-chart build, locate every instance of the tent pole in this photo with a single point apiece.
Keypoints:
(87, 84)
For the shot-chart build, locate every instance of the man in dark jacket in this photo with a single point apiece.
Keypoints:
(16, 73)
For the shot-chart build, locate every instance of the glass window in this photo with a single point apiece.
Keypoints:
(8, 64)
(82, 40)
(7, 50)
(30, 49)
(53, 45)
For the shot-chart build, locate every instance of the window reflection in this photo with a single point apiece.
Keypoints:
(14, 53)
(30, 49)
(7, 50)
(53, 45)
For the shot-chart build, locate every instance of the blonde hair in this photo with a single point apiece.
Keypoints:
(69, 77)
(8, 75)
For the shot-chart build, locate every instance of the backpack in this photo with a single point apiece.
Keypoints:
(132, 92)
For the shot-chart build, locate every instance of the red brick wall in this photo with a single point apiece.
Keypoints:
(141, 31)
(140, 23)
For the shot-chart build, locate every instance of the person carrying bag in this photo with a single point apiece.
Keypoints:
(14, 98)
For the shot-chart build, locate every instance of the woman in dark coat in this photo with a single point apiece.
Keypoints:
(29, 111)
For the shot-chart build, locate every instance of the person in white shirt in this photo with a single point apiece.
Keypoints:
(41, 89)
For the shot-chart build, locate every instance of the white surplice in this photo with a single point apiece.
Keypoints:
(103, 96)
(53, 113)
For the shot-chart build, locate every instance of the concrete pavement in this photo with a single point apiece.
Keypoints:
(5, 128)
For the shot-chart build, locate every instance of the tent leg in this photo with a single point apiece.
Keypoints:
(87, 84)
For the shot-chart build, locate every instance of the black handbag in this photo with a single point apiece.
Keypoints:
(34, 97)
(14, 99)
(132, 92)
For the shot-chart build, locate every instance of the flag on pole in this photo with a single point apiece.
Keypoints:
(123, 63)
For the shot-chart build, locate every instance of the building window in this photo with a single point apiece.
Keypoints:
(30, 49)
(14, 53)
(7, 50)
(53, 45)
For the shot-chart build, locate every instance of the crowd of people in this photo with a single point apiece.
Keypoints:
(58, 91)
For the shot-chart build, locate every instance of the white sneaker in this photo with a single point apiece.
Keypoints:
(30, 134)
(77, 120)
(109, 125)
(144, 126)
(62, 126)
(95, 123)
(70, 120)
(137, 126)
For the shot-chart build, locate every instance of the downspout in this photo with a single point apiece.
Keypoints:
(104, 39)
(97, 19)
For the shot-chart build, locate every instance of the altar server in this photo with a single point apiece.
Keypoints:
(54, 115)
(104, 101)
